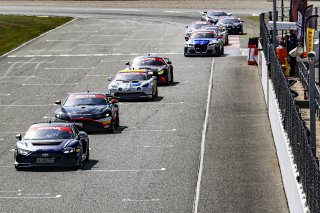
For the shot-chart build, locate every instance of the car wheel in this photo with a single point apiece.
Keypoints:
(185, 52)
(87, 155)
(171, 80)
(79, 166)
(168, 81)
(18, 168)
(156, 95)
(227, 40)
(117, 124)
(111, 130)
(222, 51)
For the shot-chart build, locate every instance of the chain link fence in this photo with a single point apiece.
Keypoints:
(293, 124)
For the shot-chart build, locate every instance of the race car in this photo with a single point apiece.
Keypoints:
(212, 16)
(195, 26)
(222, 33)
(204, 43)
(94, 110)
(161, 67)
(133, 84)
(52, 144)
(232, 24)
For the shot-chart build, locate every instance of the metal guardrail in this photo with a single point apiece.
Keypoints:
(293, 123)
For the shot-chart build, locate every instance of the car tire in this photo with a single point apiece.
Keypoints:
(117, 124)
(18, 168)
(171, 80)
(222, 52)
(87, 155)
(227, 40)
(185, 52)
(111, 130)
(156, 95)
(79, 166)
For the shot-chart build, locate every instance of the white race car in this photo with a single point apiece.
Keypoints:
(133, 84)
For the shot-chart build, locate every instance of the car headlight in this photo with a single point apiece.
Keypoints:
(160, 72)
(23, 152)
(71, 150)
(108, 114)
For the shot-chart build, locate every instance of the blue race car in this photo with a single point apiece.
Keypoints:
(204, 43)
(52, 144)
(93, 110)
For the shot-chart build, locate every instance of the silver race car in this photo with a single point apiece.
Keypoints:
(133, 84)
(194, 27)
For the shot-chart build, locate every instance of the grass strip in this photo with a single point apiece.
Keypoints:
(16, 30)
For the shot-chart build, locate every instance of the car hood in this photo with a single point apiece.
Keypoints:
(45, 145)
(85, 110)
(151, 68)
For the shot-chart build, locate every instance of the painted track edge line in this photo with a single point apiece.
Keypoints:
(43, 34)
(203, 142)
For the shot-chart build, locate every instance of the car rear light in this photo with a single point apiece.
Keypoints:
(220, 36)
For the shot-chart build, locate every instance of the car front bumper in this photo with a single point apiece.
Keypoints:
(47, 159)
(201, 50)
(131, 94)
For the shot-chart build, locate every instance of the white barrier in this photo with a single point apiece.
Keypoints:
(295, 197)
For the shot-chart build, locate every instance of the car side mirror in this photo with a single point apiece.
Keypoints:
(169, 62)
(19, 137)
(81, 135)
(128, 64)
(109, 79)
(114, 101)
(58, 102)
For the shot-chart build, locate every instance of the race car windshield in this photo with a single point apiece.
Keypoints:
(148, 62)
(213, 13)
(198, 26)
(131, 77)
(231, 21)
(47, 133)
(204, 35)
(85, 100)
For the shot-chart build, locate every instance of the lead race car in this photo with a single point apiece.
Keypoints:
(133, 84)
(160, 67)
(204, 43)
(94, 110)
(52, 144)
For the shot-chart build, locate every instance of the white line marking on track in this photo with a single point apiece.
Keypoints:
(80, 31)
(168, 146)
(170, 43)
(105, 28)
(185, 66)
(1, 139)
(48, 117)
(67, 68)
(58, 196)
(19, 76)
(203, 141)
(49, 84)
(44, 50)
(108, 61)
(124, 170)
(98, 44)
(5, 94)
(109, 35)
(30, 62)
(75, 40)
(98, 75)
(141, 39)
(145, 200)
(150, 130)
(25, 105)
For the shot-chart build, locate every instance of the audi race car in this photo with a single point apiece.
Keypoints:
(52, 144)
(93, 110)
(133, 84)
(161, 67)
(222, 33)
(232, 24)
(195, 26)
(204, 43)
(212, 16)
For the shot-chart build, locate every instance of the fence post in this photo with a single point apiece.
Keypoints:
(312, 102)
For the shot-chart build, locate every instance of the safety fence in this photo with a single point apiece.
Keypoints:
(293, 124)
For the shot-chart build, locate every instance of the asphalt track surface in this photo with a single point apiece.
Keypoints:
(151, 163)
